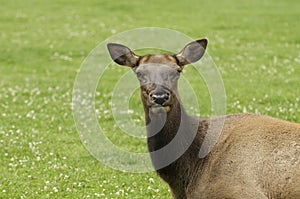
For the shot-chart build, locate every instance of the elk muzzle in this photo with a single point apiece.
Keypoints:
(160, 100)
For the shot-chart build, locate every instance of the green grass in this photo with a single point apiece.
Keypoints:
(255, 44)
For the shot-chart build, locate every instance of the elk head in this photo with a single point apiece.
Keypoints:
(158, 74)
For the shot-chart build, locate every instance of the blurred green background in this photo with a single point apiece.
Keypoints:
(255, 45)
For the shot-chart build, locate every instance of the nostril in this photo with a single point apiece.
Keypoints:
(154, 97)
(151, 95)
(166, 96)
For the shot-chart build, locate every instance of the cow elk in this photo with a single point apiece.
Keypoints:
(255, 156)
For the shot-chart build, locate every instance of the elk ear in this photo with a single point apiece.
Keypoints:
(192, 52)
(122, 55)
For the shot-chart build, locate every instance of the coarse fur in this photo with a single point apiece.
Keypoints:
(255, 156)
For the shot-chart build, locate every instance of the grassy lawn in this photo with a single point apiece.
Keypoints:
(255, 45)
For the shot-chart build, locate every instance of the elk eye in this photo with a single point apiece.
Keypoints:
(141, 77)
(177, 75)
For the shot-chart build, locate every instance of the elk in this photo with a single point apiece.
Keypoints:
(255, 156)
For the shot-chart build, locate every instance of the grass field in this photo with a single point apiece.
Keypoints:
(255, 45)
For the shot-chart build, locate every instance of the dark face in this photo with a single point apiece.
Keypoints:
(158, 74)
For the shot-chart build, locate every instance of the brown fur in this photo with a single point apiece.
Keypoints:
(256, 156)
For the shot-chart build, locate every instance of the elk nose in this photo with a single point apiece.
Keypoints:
(159, 98)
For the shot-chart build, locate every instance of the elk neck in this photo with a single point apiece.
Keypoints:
(178, 174)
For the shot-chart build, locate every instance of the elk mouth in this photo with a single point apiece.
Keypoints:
(158, 109)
